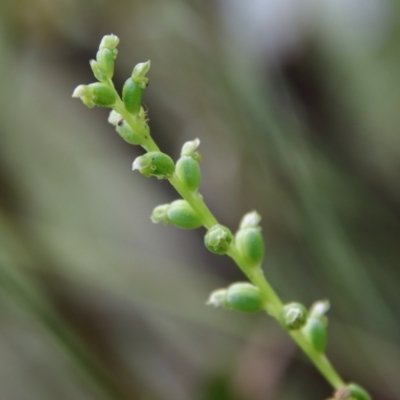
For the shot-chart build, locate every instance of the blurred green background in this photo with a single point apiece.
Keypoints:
(296, 104)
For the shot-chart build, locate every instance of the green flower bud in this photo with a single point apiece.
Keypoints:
(244, 297)
(97, 71)
(352, 391)
(109, 42)
(105, 63)
(293, 316)
(181, 214)
(154, 163)
(188, 171)
(178, 213)
(139, 74)
(218, 239)
(132, 94)
(96, 94)
(249, 240)
(315, 331)
(240, 296)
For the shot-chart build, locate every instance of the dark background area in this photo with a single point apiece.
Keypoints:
(296, 104)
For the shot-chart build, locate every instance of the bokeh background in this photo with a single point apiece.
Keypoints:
(296, 104)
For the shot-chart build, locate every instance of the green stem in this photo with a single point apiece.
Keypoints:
(256, 276)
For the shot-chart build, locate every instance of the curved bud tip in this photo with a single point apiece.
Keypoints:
(188, 149)
(293, 316)
(217, 298)
(250, 220)
(319, 308)
(109, 42)
(84, 93)
(139, 73)
(159, 214)
(140, 163)
(80, 91)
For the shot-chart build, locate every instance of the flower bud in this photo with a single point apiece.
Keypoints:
(293, 316)
(240, 296)
(218, 239)
(109, 42)
(97, 71)
(352, 391)
(96, 94)
(178, 213)
(249, 240)
(154, 163)
(105, 63)
(181, 214)
(132, 96)
(139, 74)
(245, 297)
(315, 331)
(188, 171)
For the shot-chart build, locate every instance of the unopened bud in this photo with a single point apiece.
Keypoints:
(105, 62)
(154, 163)
(293, 316)
(240, 296)
(132, 94)
(96, 94)
(218, 239)
(316, 332)
(249, 240)
(188, 171)
(109, 42)
(178, 213)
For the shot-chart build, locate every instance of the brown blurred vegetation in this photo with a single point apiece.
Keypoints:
(298, 115)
